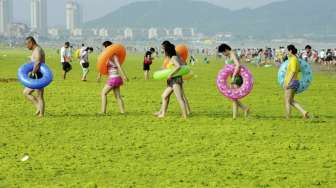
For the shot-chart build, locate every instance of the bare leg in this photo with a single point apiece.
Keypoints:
(27, 92)
(288, 101)
(146, 75)
(165, 100)
(179, 95)
(85, 73)
(328, 65)
(98, 77)
(234, 109)
(104, 93)
(304, 113)
(185, 99)
(186, 102)
(41, 102)
(237, 104)
(244, 108)
(161, 110)
(119, 99)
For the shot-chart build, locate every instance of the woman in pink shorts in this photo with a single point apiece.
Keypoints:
(116, 78)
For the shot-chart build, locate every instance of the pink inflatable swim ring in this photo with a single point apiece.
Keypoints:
(234, 93)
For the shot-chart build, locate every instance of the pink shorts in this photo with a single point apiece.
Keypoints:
(115, 82)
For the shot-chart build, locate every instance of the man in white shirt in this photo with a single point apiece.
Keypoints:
(82, 49)
(84, 61)
(66, 58)
(322, 55)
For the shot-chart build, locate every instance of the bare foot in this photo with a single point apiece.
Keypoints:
(161, 116)
(37, 113)
(157, 113)
(306, 115)
(246, 112)
(188, 112)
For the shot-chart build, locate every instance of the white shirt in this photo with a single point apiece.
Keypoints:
(65, 52)
(82, 50)
(84, 56)
(322, 54)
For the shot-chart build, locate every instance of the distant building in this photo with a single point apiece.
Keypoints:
(53, 32)
(153, 33)
(103, 32)
(38, 17)
(77, 32)
(178, 32)
(228, 35)
(18, 30)
(128, 33)
(74, 15)
(6, 16)
(167, 32)
(95, 32)
(192, 32)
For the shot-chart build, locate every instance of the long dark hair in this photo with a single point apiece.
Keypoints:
(107, 43)
(292, 48)
(170, 50)
(223, 48)
(165, 44)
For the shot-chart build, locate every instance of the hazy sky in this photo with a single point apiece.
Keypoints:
(97, 8)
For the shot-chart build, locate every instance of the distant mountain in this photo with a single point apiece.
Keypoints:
(164, 13)
(284, 18)
(291, 17)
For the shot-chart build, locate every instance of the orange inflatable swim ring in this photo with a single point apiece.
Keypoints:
(113, 50)
(182, 51)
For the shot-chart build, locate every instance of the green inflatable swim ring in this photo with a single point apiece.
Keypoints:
(163, 74)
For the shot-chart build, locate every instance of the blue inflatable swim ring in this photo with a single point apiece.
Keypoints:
(32, 83)
(306, 75)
